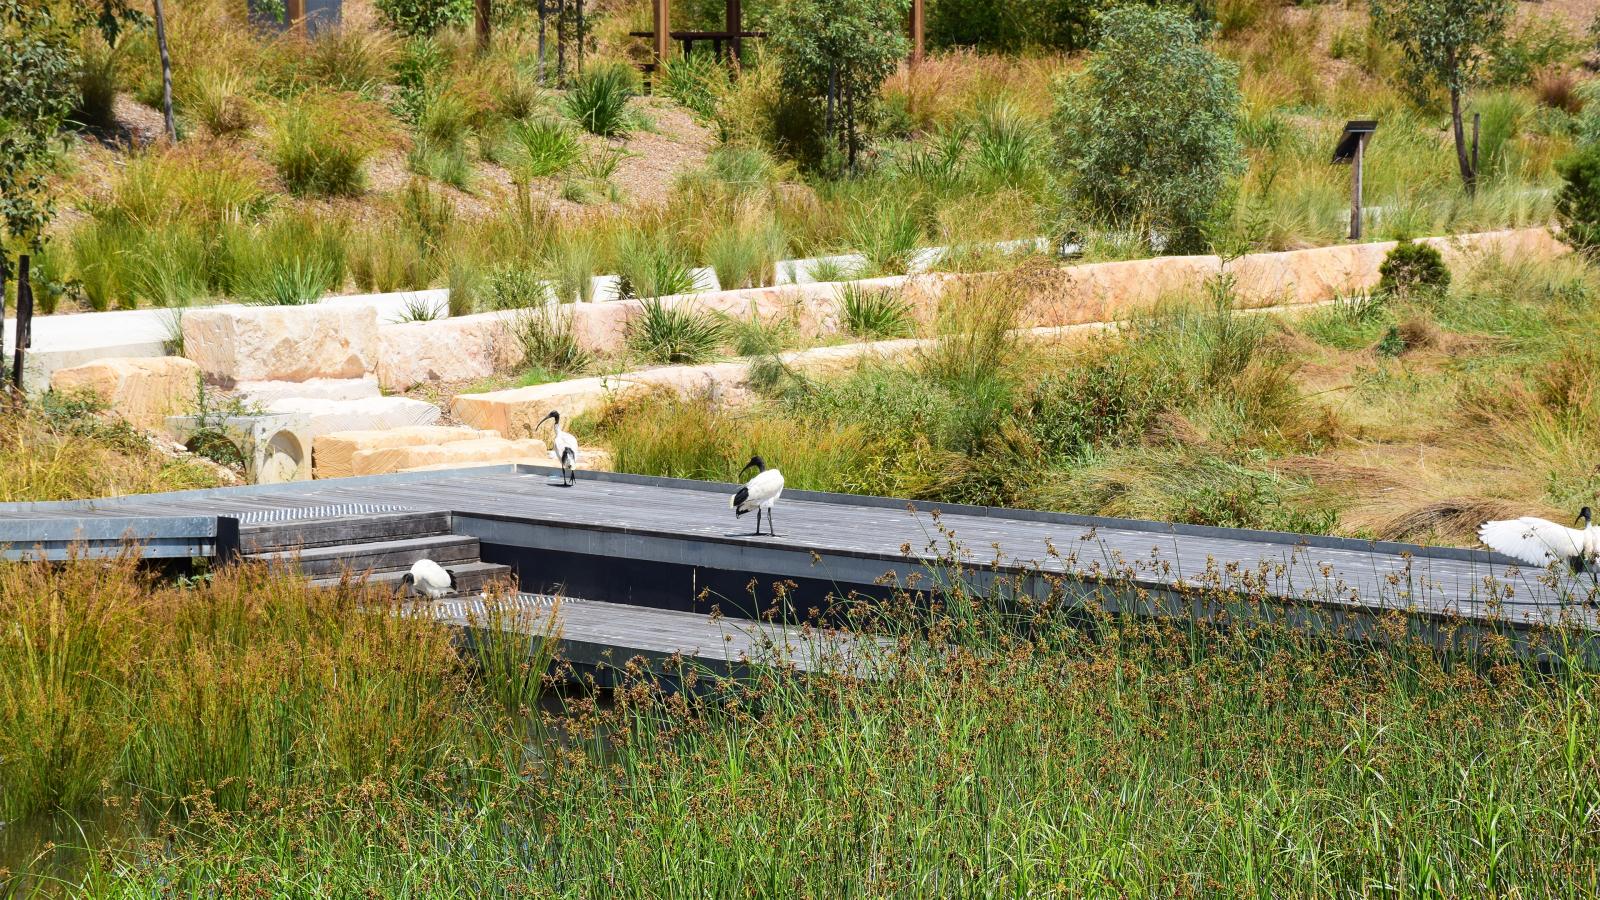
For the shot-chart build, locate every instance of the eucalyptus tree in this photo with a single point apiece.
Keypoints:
(833, 55)
(1147, 132)
(1446, 44)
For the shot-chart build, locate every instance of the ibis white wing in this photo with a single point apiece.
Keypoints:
(429, 575)
(765, 487)
(1532, 540)
(564, 442)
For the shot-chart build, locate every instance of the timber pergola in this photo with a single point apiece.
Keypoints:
(734, 33)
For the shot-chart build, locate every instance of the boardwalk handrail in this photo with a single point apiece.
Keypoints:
(157, 537)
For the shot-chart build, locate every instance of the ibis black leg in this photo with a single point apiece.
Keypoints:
(758, 521)
(771, 529)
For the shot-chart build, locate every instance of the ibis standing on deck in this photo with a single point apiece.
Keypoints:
(1541, 542)
(759, 493)
(429, 579)
(566, 448)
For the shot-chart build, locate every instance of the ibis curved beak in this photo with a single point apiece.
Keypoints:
(547, 417)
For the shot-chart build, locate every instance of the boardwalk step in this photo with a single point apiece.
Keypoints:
(378, 556)
(280, 536)
(471, 577)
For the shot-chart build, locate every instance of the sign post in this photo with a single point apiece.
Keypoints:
(1352, 149)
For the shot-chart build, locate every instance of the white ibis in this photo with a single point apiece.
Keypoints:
(566, 448)
(759, 493)
(1541, 542)
(430, 579)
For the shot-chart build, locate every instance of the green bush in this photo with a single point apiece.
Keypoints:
(542, 147)
(319, 148)
(97, 85)
(697, 81)
(1578, 200)
(1168, 162)
(1411, 266)
(875, 314)
(675, 334)
(1112, 397)
(424, 17)
(598, 101)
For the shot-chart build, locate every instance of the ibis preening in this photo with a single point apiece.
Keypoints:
(566, 448)
(1541, 542)
(759, 493)
(429, 579)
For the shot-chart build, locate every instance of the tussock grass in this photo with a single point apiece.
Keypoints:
(598, 100)
(875, 314)
(321, 142)
(66, 449)
(675, 333)
(544, 147)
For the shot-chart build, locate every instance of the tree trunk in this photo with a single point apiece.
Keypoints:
(833, 93)
(561, 42)
(850, 127)
(541, 41)
(485, 17)
(1469, 177)
(166, 73)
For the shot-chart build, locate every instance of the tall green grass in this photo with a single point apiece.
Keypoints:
(675, 333)
(1094, 757)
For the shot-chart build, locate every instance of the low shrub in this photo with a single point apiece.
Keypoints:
(875, 314)
(320, 144)
(598, 100)
(542, 147)
(424, 17)
(548, 341)
(1410, 267)
(675, 334)
(513, 287)
(1578, 200)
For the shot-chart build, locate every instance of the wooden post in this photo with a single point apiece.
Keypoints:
(918, 27)
(24, 329)
(484, 22)
(1355, 188)
(735, 21)
(663, 27)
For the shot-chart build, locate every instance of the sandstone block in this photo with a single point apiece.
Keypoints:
(332, 453)
(267, 392)
(319, 417)
(476, 452)
(142, 391)
(461, 348)
(514, 413)
(282, 343)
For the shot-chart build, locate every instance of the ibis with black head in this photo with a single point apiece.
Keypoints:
(565, 448)
(760, 493)
(1542, 542)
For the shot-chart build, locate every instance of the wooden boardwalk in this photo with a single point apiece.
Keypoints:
(854, 540)
(614, 636)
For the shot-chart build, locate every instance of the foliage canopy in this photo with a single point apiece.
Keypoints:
(1148, 132)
